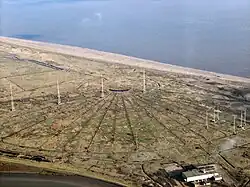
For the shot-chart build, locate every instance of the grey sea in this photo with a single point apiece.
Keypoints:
(210, 35)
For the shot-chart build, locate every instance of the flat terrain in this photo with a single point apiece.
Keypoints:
(124, 134)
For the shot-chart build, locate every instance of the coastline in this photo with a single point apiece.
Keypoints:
(120, 59)
(13, 165)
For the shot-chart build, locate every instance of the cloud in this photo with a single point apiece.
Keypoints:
(85, 20)
(95, 19)
(98, 15)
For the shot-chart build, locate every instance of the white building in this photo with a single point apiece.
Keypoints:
(201, 175)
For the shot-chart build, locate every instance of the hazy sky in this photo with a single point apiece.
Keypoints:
(207, 34)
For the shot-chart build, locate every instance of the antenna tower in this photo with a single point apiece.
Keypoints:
(11, 98)
(58, 93)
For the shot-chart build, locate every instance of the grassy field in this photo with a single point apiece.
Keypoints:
(126, 130)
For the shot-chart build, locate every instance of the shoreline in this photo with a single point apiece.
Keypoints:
(120, 59)
(48, 169)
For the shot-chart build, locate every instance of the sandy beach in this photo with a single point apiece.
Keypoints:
(120, 59)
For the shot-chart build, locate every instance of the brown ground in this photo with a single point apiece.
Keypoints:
(123, 134)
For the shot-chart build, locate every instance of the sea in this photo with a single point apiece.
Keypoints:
(212, 35)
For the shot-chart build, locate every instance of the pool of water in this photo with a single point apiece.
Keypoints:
(36, 180)
(209, 34)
